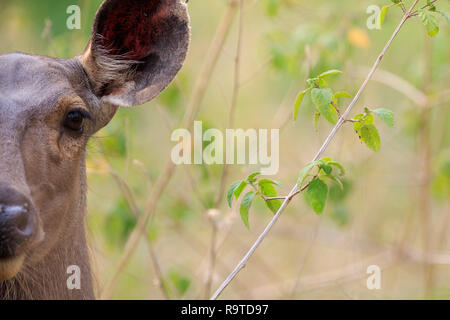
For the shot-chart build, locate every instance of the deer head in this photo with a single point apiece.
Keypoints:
(49, 108)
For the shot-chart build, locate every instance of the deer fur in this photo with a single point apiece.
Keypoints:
(136, 49)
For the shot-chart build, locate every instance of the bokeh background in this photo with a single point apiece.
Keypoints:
(394, 211)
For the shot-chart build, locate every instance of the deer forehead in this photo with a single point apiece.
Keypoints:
(37, 85)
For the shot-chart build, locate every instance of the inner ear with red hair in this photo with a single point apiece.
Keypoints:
(136, 49)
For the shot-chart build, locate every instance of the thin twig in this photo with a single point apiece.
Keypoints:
(132, 203)
(223, 179)
(234, 98)
(341, 121)
(158, 270)
(212, 259)
(425, 153)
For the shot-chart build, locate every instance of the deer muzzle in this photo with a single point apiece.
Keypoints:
(17, 228)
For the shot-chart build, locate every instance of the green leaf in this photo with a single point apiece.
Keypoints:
(341, 94)
(396, 1)
(329, 73)
(268, 190)
(445, 16)
(366, 118)
(264, 181)
(326, 168)
(386, 115)
(382, 15)
(338, 165)
(251, 178)
(299, 101)
(180, 282)
(246, 203)
(316, 121)
(304, 173)
(322, 100)
(230, 192)
(336, 180)
(368, 133)
(430, 22)
(316, 195)
(431, 6)
(240, 188)
(119, 223)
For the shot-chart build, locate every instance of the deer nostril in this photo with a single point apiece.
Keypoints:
(18, 217)
(17, 222)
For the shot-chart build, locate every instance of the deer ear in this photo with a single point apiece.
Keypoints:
(136, 49)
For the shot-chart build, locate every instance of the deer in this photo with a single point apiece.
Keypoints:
(49, 109)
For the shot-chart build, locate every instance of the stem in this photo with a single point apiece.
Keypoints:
(294, 190)
(425, 153)
(234, 98)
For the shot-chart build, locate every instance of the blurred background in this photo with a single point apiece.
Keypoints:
(394, 211)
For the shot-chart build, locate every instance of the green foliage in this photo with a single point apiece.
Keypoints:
(304, 173)
(264, 188)
(299, 101)
(441, 181)
(267, 189)
(153, 233)
(367, 132)
(316, 189)
(322, 100)
(171, 97)
(329, 73)
(341, 94)
(115, 142)
(382, 15)
(324, 168)
(430, 22)
(180, 282)
(322, 97)
(240, 189)
(119, 223)
(252, 178)
(231, 191)
(386, 115)
(316, 195)
(316, 121)
(246, 203)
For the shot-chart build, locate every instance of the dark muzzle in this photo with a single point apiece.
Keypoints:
(16, 222)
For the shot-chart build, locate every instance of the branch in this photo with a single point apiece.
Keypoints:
(223, 179)
(294, 190)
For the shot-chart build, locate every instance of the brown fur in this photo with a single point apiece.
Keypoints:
(45, 161)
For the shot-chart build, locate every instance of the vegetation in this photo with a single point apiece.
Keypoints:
(380, 192)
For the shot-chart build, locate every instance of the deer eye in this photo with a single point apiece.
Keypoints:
(74, 120)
